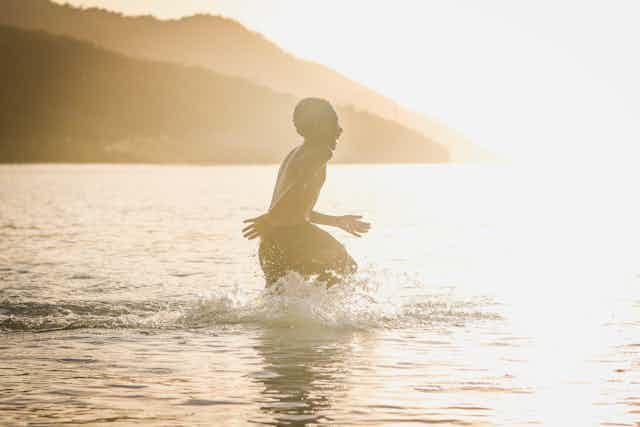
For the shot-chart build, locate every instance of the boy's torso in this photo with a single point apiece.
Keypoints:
(300, 179)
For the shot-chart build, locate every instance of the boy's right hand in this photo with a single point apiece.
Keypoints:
(352, 224)
(259, 226)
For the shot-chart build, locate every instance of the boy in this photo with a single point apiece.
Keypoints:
(288, 239)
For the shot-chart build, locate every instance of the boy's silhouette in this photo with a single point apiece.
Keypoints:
(288, 239)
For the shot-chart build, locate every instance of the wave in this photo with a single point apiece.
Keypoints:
(29, 316)
(362, 303)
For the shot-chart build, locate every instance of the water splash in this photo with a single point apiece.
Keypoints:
(360, 303)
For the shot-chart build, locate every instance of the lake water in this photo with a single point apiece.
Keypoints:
(486, 296)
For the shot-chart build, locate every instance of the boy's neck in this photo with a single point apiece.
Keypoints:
(320, 142)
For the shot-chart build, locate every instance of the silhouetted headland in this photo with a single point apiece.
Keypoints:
(226, 47)
(71, 101)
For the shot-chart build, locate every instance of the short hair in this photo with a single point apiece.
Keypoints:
(311, 111)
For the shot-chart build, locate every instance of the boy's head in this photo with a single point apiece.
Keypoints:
(316, 120)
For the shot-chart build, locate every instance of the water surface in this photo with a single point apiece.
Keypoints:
(486, 296)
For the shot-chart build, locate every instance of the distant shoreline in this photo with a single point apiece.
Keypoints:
(228, 164)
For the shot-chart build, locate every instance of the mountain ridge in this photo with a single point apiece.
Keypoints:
(74, 101)
(228, 47)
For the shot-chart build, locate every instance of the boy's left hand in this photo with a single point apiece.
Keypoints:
(258, 227)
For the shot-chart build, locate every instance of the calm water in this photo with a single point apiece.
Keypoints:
(486, 296)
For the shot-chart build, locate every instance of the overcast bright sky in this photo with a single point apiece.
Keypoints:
(524, 78)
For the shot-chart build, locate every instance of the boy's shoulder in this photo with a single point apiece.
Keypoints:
(305, 159)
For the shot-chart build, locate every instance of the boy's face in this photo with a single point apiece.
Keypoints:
(333, 132)
(326, 129)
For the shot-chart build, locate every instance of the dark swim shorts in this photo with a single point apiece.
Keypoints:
(305, 249)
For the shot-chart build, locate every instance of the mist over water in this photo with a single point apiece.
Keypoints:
(485, 296)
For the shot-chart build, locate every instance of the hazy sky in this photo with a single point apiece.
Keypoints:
(525, 78)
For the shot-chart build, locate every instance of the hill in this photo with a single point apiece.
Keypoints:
(69, 100)
(226, 47)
